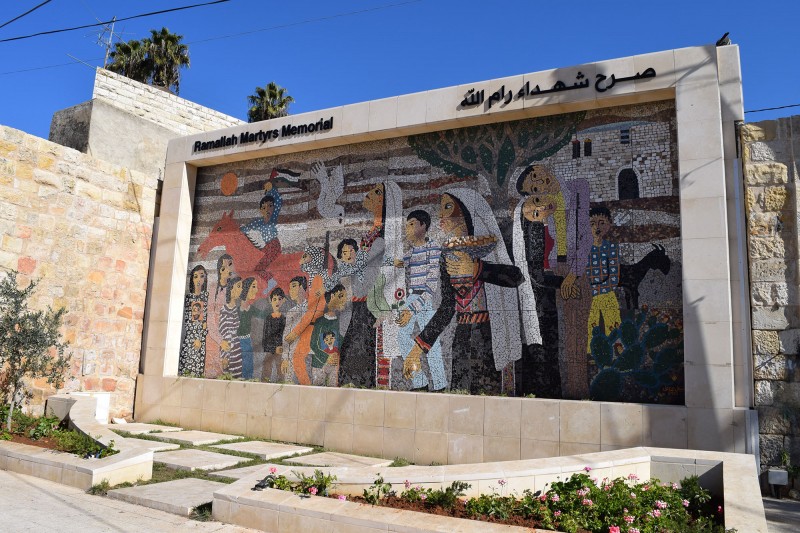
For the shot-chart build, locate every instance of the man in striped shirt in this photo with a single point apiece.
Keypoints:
(422, 263)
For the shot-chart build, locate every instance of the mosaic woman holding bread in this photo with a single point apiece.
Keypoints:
(479, 288)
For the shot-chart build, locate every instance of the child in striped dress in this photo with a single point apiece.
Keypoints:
(229, 328)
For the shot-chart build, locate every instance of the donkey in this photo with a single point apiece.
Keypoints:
(630, 276)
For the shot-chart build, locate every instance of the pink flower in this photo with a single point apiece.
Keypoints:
(674, 486)
(407, 483)
(587, 502)
(633, 495)
(719, 509)
(272, 470)
(613, 529)
(342, 497)
(606, 488)
(543, 498)
(656, 513)
(624, 509)
(646, 488)
(502, 482)
(685, 503)
(633, 530)
(633, 477)
(554, 498)
(587, 468)
(661, 504)
(582, 491)
(312, 491)
(629, 519)
(557, 514)
(423, 497)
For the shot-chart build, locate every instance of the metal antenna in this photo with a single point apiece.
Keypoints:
(107, 43)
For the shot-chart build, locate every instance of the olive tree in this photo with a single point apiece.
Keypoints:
(30, 344)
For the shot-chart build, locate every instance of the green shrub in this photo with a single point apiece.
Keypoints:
(82, 445)
(42, 427)
(30, 345)
(378, 491)
(100, 489)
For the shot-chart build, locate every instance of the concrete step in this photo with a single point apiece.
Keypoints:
(196, 438)
(265, 450)
(198, 460)
(178, 497)
(335, 459)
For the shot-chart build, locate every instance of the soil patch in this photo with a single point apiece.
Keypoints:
(44, 442)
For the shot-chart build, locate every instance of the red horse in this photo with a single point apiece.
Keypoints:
(226, 233)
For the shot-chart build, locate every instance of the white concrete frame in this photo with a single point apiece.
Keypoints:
(705, 83)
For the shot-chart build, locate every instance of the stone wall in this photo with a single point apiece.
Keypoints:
(770, 151)
(83, 227)
(158, 106)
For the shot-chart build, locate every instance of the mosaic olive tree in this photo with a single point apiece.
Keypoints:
(30, 344)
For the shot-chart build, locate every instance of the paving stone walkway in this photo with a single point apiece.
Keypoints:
(139, 428)
(195, 438)
(32, 505)
(265, 450)
(335, 459)
(256, 472)
(180, 497)
(198, 460)
(153, 445)
(783, 516)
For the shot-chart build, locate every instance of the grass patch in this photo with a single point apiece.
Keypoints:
(159, 422)
(201, 513)
(400, 461)
(100, 489)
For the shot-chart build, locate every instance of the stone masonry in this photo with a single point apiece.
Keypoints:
(158, 106)
(83, 227)
(771, 150)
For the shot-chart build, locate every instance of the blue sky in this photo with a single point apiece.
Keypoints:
(325, 57)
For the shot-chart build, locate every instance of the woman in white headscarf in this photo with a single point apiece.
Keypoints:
(481, 294)
(358, 360)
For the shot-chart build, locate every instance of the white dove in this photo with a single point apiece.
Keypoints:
(330, 189)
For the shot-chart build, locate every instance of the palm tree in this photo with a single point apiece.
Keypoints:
(169, 55)
(156, 60)
(270, 101)
(130, 59)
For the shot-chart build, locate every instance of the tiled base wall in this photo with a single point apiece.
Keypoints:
(428, 428)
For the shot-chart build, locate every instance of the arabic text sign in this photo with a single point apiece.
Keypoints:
(602, 84)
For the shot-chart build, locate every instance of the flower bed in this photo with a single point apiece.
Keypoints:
(579, 504)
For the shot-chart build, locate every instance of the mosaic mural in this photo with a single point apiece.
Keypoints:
(533, 257)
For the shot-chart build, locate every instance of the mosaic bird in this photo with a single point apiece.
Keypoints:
(331, 188)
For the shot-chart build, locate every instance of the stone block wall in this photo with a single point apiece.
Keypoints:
(158, 106)
(771, 150)
(83, 227)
